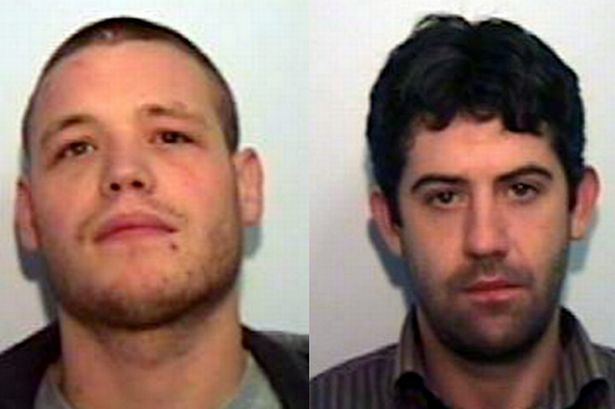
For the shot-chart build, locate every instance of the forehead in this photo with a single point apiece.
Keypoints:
(104, 77)
(472, 148)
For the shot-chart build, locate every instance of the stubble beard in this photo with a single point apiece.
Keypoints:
(185, 293)
(459, 330)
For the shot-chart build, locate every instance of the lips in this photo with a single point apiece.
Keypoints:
(494, 292)
(132, 224)
(492, 285)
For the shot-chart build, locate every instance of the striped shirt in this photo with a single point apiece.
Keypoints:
(393, 376)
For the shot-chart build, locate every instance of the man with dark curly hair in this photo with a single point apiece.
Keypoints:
(476, 138)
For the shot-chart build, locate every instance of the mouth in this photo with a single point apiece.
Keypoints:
(493, 291)
(130, 226)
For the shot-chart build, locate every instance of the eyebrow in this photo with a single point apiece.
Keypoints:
(64, 123)
(527, 170)
(175, 110)
(433, 178)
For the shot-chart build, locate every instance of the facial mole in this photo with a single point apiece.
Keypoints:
(173, 246)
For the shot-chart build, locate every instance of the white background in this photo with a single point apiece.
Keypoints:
(355, 306)
(260, 48)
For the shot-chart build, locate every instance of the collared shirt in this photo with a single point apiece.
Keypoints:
(393, 376)
(255, 392)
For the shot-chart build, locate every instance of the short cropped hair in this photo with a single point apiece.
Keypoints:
(449, 67)
(117, 30)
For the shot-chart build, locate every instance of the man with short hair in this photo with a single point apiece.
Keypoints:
(135, 193)
(476, 139)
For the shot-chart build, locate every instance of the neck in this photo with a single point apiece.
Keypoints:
(467, 384)
(195, 364)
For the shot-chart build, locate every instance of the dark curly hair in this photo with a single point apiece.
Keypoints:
(449, 67)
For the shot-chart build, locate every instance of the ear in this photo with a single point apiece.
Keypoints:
(383, 216)
(583, 211)
(24, 216)
(249, 174)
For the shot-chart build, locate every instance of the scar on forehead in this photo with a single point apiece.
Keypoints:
(108, 34)
(174, 109)
(175, 106)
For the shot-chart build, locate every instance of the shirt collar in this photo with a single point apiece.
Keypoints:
(409, 359)
(580, 366)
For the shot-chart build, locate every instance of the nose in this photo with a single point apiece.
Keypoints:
(126, 171)
(486, 232)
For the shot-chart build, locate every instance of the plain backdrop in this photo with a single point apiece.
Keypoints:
(356, 305)
(255, 46)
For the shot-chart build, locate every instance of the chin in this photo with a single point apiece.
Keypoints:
(148, 290)
(494, 344)
(142, 310)
(146, 298)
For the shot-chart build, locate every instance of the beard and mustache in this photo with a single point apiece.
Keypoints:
(464, 328)
(199, 278)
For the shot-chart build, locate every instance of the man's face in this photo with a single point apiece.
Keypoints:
(132, 195)
(485, 227)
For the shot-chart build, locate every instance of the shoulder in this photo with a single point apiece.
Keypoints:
(381, 360)
(284, 358)
(272, 345)
(297, 344)
(361, 379)
(22, 366)
(606, 356)
(38, 350)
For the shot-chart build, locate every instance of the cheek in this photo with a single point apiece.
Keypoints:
(540, 237)
(432, 245)
(58, 205)
(205, 187)
(56, 220)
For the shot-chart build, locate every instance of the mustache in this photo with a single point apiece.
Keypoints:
(489, 269)
(144, 204)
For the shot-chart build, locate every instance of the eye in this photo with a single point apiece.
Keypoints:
(174, 137)
(74, 149)
(523, 191)
(444, 198)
